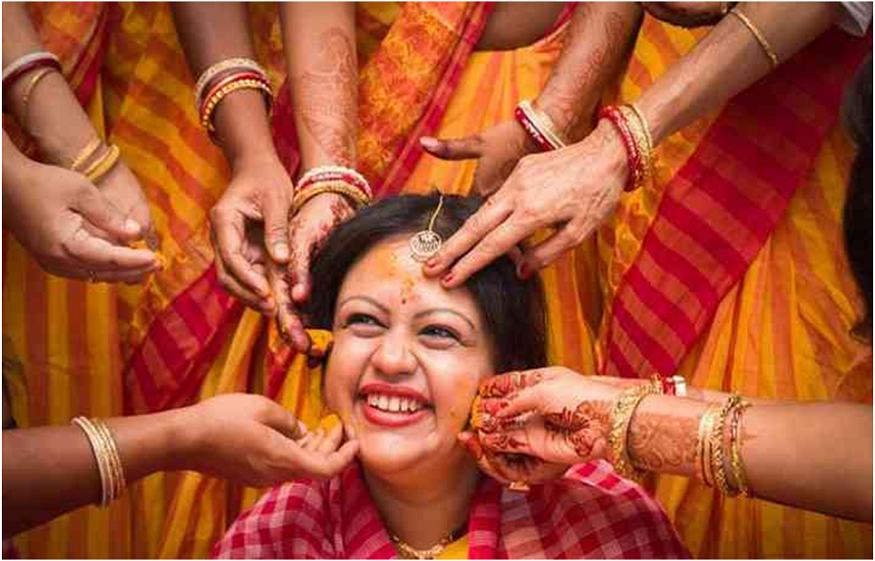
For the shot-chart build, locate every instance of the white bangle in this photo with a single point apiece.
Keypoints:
(27, 59)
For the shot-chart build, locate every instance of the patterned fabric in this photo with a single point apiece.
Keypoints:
(591, 513)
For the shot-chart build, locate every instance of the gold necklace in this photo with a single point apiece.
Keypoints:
(407, 551)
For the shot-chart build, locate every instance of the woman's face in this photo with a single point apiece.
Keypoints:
(408, 357)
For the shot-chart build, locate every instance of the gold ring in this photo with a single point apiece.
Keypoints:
(519, 486)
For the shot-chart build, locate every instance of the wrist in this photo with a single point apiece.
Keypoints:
(243, 128)
(178, 435)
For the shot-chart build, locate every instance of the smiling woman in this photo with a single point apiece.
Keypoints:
(407, 359)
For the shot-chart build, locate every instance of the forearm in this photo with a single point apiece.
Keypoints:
(54, 117)
(596, 47)
(728, 60)
(816, 456)
(211, 32)
(322, 67)
(48, 471)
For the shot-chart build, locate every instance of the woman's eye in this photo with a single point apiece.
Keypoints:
(437, 331)
(361, 319)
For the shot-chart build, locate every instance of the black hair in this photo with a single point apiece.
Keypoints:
(857, 216)
(513, 309)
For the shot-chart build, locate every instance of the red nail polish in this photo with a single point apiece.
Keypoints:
(448, 278)
(523, 271)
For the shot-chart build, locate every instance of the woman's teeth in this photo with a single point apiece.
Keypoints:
(394, 403)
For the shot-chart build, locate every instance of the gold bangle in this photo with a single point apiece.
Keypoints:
(544, 124)
(85, 154)
(355, 196)
(640, 136)
(764, 44)
(28, 90)
(621, 418)
(103, 164)
(703, 448)
(718, 467)
(117, 469)
(232, 63)
(99, 455)
(213, 101)
(737, 463)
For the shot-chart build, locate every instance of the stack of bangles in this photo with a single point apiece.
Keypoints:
(718, 442)
(633, 129)
(332, 179)
(95, 160)
(539, 126)
(109, 463)
(37, 65)
(226, 77)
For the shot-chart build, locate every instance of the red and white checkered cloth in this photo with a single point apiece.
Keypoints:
(590, 513)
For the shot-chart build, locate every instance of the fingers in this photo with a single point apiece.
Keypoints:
(505, 384)
(458, 149)
(545, 253)
(488, 217)
(290, 325)
(240, 292)
(102, 214)
(228, 227)
(100, 255)
(331, 439)
(276, 230)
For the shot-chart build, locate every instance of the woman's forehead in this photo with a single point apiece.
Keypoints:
(389, 272)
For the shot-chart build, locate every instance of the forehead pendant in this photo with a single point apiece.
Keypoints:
(426, 243)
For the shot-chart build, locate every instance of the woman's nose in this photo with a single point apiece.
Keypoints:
(393, 357)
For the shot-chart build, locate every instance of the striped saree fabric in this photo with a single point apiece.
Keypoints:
(79, 349)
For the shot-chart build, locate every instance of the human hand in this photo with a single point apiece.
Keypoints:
(497, 150)
(249, 226)
(510, 468)
(688, 14)
(309, 229)
(571, 190)
(553, 414)
(252, 440)
(121, 188)
(71, 228)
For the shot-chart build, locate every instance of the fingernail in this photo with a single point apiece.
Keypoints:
(282, 251)
(298, 292)
(428, 142)
(448, 278)
(132, 226)
(432, 263)
(523, 271)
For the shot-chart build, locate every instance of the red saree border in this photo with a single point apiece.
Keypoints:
(669, 294)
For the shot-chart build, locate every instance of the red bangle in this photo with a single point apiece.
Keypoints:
(230, 79)
(614, 115)
(335, 173)
(531, 129)
(16, 75)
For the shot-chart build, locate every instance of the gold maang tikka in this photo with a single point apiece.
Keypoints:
(426, 243)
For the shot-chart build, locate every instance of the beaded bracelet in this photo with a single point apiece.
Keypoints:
(233, 85)
(228, 79)
(354, 195)
(539, 126)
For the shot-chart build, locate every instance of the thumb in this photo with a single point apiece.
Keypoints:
(101, 213)
(466, 148)
(281, 419)
(276, 239)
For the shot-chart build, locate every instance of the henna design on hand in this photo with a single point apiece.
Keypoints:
(328, 95)
(582, 428)
(660, 443)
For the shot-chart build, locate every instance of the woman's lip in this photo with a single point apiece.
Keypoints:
(392, 390)
(390, 420)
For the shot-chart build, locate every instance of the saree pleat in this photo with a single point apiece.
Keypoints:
(72, 348)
